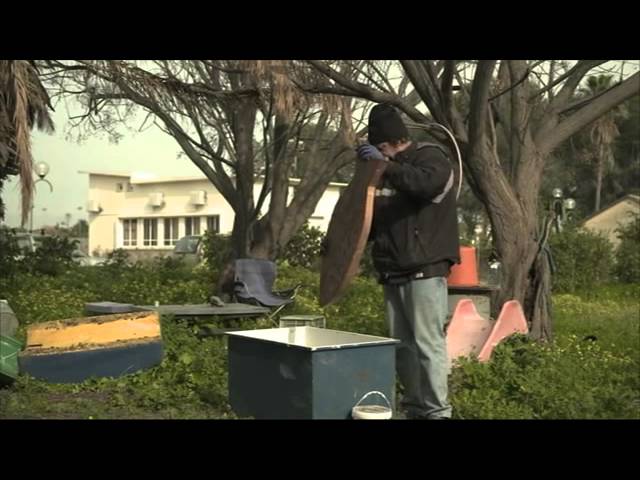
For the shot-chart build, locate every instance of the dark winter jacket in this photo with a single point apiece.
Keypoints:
(415, 225)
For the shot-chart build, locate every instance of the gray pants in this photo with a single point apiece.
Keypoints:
(416, 313)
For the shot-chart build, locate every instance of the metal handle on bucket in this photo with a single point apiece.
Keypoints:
(372, 392)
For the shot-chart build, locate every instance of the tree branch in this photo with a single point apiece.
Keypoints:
(428, 93)
(574, 77)
(513, 85)
(364, 91)
(447, 86)
(589, 113)
(479, 106)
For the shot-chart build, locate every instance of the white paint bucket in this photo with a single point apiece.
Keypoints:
(372, 412)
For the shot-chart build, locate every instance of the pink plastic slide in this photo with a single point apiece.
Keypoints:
(471, 334)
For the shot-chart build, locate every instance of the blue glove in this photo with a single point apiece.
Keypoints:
(369, 152)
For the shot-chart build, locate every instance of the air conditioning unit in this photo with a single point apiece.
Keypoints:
(93, 206)
(198, 198)
(156, 199)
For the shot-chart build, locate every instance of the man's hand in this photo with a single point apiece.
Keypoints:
(369, 152)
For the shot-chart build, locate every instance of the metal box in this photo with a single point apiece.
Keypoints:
(307, 372)
(302, 321)
(482, 297)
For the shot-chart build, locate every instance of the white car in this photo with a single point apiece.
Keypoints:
(26, 242)
(190, 249)
(85, 260)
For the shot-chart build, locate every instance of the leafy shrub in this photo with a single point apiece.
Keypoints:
(303, 250)
(583, 259)
(627, 254)
(571, 377)
(117, 259)
(216, 250)
(9, 253)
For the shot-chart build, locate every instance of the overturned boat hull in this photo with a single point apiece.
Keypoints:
(74, 350)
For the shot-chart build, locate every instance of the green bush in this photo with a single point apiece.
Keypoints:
(366, 264)
(627, 254)
(303, 250)
(9, 253)
(360, 310)
(571, 377)
(37, 298)
(53, 256)
(583, 260)
(117, 259)
(216, 250)
(170, 269)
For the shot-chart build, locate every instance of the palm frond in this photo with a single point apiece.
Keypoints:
(24, 103)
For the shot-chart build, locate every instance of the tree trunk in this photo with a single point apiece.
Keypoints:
(263, 245)
(599, 175)
(243, 124)
(526, 277)
(518, 239)
(538, 299)
(241, 235)
(271, 235)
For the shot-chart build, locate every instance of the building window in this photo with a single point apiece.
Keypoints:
(130, 232)
(213, 223)
(192, 225)
(170, 231)
(150, 232)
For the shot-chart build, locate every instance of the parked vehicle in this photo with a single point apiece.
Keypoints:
(84, 260)
(190, 249)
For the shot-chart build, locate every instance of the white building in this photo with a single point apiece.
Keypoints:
(148, 214)
(609, 218)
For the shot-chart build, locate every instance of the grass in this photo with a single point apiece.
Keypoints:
(571, 378)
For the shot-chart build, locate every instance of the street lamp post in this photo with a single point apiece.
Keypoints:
(561, 208)
(478, 232)
(42, 169)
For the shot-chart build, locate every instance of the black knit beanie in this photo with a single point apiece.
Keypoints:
(385, 125)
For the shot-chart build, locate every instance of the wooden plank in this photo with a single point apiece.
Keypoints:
(230, 310)
(348, 231)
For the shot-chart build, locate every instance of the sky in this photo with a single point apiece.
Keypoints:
(150, 151)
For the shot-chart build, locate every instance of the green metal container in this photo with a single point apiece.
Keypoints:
(9, 349)
(307, 372)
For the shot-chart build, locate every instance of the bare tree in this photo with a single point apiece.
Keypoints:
(531, 107)
(238, 122)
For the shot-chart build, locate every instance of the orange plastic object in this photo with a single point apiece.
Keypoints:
(465, 274)
(468, 330)
(510, 321)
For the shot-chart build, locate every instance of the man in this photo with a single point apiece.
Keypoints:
(415, 235)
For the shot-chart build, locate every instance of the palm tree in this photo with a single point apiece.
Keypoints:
(602, 133)
(24, 103)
